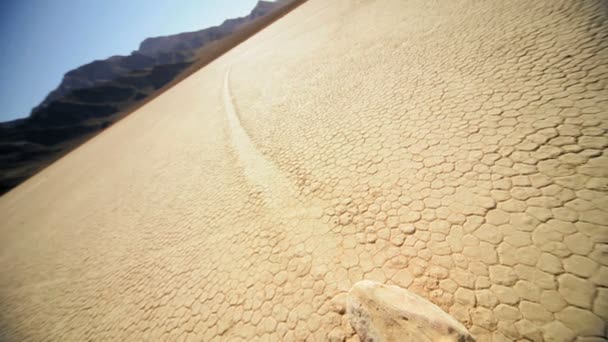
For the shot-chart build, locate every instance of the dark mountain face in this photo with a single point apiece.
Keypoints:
(195, 40)
(177, 48)
(93, 96)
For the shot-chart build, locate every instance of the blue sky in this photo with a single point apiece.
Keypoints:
(43, 39)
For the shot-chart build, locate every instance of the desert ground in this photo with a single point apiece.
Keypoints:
(454, 148)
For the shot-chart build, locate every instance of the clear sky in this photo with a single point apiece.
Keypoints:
(43, 39)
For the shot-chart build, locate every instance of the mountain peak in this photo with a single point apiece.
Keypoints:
(194, 40)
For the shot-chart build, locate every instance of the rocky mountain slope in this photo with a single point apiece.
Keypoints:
(93, 96)
(172, 49)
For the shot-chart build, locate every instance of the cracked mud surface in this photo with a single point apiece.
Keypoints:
(457, 149)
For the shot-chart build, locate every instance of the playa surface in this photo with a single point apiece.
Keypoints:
(454, 148)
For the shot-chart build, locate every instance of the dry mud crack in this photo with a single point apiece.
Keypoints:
(457, 149)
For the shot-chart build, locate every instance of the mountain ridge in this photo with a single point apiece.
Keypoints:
(93, 96)
(153, 51)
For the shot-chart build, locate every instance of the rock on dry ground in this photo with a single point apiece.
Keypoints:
(454, 148)
(381, 312)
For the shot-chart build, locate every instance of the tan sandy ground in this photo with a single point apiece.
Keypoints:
(456, 148)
